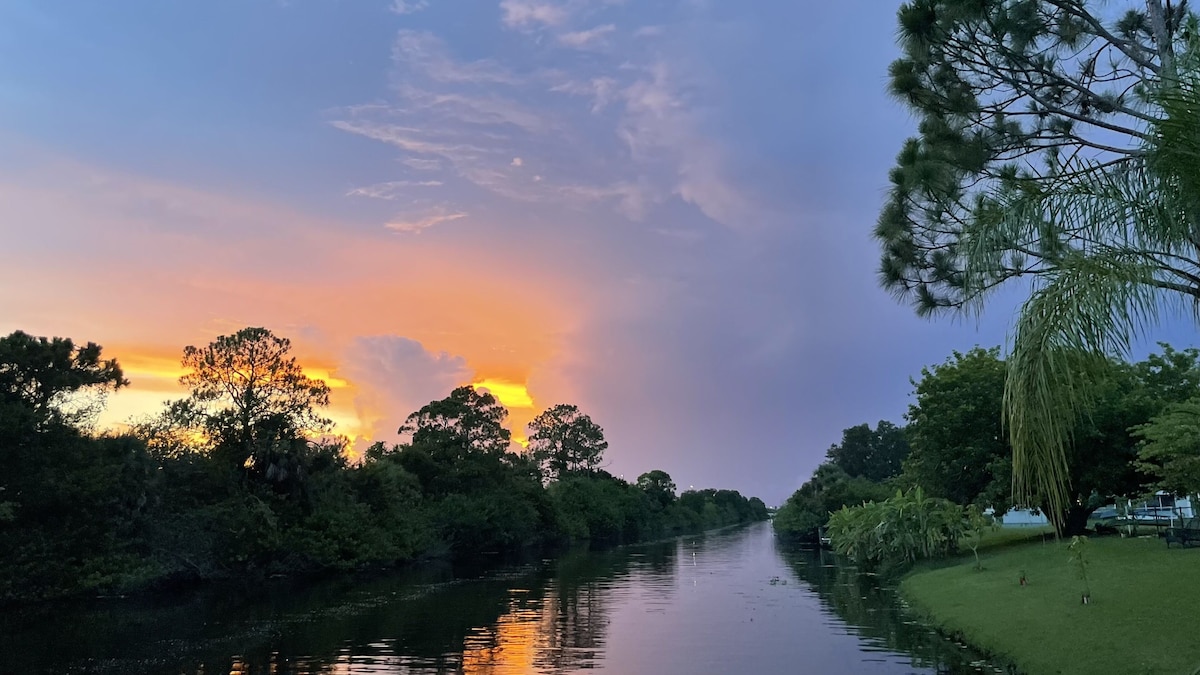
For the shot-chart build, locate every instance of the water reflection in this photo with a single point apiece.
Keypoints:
(860, 604)
(725, 602)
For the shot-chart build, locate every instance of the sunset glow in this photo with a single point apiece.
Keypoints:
(418, 197)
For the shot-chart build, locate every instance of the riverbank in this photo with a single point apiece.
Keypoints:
(1140, 621)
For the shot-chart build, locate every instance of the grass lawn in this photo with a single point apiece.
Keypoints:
(1144, 616)
(1007, 536)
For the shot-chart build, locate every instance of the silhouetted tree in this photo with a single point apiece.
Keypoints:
(51, 380)
(466, 421)
(564, 440)
(251, 407)
(657, 485)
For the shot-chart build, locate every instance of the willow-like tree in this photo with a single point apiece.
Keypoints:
(1058, 142)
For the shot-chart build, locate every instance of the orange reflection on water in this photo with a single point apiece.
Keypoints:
(552, 633)
(508, 648)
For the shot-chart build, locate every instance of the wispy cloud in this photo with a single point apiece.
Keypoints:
(543, 132)
(418, 223)
(422, 164)
(582, 39)
(427, 54)
(391, 189)
(680, 234)
(409, 6)
(523, 13)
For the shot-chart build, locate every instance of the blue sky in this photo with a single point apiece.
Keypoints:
(660, 211)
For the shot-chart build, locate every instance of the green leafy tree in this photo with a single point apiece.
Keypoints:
(1170, 376)
(1170, 448)
(1081, 560)
(975, 526)
(875, 454)
(658, 486)
(959, 450)
(563, 440)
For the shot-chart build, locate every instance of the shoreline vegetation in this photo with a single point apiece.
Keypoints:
(244, 479)
(1138, 621)
(927, 499)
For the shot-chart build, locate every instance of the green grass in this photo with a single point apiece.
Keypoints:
(1008, 536)
(1144, 616)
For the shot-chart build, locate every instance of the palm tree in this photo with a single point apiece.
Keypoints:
(1124, 241)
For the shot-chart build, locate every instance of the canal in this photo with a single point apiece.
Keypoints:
(725, 602)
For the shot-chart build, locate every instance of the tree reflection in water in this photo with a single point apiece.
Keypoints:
(868, 607)
(684, 605)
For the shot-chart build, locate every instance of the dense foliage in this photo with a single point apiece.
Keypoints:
(857, 470)
(238, 478)
(874, 454)
(960, 451)
(907, 527)
(804, 513)
(1137, 435)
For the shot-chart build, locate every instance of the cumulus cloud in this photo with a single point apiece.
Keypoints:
(394, 376)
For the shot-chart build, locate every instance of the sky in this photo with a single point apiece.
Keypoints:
(658, 210)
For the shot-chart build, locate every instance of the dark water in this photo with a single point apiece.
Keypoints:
(730, 602)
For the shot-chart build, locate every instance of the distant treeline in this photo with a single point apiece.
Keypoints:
(244, 478)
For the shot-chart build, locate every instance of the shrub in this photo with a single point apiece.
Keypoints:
(909, 526)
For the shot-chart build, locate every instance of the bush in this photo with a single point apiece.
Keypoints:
(903, 529)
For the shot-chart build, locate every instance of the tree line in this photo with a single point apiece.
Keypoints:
(244, 477)
(1139, 433)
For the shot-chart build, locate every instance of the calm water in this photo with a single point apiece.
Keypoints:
(730, 602)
